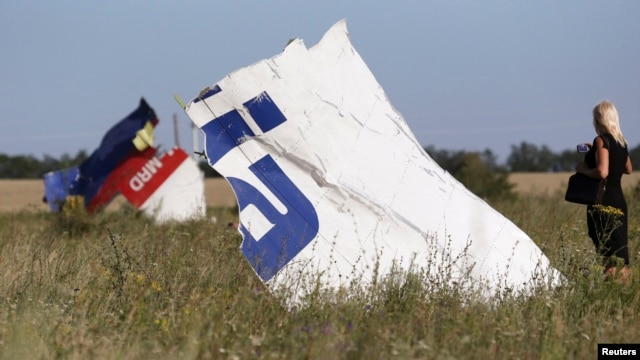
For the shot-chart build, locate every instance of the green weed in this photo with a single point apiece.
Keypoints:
(115, 286)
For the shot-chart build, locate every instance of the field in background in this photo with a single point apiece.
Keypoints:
(18, 195)
(551, 183)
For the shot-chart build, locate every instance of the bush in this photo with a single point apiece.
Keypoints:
(477, 176)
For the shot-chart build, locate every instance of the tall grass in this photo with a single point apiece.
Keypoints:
(116, 286)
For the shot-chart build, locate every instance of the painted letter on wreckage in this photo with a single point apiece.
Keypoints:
(333, 186)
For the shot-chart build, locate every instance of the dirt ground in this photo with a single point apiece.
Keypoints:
(551, 183)
(16, 195)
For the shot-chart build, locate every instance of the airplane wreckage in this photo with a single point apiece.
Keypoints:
(166, 187)
(334, 189)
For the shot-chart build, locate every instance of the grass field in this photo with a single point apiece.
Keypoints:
(116, 286)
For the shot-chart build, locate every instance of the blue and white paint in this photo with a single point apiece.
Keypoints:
(333, 187)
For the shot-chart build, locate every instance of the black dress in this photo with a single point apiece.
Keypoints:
(616, 244)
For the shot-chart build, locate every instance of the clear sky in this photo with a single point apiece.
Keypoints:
(466, 75)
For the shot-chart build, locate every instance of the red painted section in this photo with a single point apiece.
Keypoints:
(139, 185)
(112, 184)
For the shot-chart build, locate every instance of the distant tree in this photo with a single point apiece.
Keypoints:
(634, 154)
(478, 176)
(528, 157)
(566, 160)
(208, 171)
(19, 167)
(29, 167)
(477, 171)
(51, 164)
(80, 157)
(4, 165)
(449, 160)
(452, 160)
(491, 160)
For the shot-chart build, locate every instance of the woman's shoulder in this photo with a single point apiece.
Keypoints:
(606, 139)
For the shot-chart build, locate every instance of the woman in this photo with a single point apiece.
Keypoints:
(608, 158)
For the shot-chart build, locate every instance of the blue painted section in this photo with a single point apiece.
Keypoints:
(115, 147)
(216, 89)
(229, 130)
(265, 112)
(291, 231)
(56, 185)
(223, 134)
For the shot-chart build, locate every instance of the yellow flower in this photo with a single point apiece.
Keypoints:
(609, 210)
(140, 278)
(163, 324)
(609, 220)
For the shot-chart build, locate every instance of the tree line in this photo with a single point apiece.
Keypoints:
(30, 167)
(524, 157)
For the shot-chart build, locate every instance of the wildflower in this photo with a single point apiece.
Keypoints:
(607, 219)
(138, 278)
(163, 324)
(608, 210)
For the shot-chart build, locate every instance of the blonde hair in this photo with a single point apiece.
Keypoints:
(605, 121)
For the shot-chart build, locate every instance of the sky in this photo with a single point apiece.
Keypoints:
(466, 75)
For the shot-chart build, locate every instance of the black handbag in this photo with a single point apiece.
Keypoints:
(585, 190)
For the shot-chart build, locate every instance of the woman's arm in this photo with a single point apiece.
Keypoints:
(628, 168)
(601, 170)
